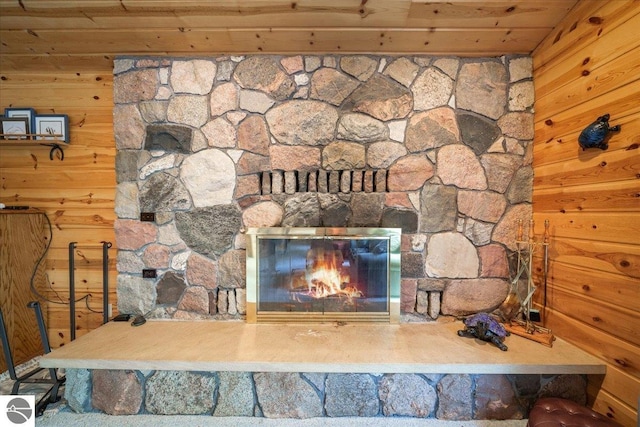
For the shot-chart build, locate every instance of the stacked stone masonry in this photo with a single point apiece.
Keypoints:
(307, 395)
(438, 146)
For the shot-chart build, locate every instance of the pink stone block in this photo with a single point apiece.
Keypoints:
(493, 261)
(408, 290)
(116, 392)
(368, 181)
(356, 181)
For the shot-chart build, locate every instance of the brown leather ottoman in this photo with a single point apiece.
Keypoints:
(557, 412)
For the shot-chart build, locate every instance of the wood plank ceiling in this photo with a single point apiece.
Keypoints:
(77, 34)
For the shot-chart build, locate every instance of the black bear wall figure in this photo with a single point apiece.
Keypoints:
(596, 134)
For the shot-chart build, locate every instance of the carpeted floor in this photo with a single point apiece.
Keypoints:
(63, 418)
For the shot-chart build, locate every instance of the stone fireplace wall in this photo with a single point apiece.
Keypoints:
(439, 146)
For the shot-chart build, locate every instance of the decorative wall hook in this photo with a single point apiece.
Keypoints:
(596, 134)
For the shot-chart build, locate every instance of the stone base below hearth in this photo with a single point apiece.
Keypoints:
(311, 395)
(307, 371)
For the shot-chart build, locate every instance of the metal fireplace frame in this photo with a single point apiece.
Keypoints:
(393, 235)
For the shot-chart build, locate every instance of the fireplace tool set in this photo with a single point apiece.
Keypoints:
(514, 305)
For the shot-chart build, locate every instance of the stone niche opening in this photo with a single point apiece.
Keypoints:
(323, 274)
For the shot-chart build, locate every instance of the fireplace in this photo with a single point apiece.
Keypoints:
(323, 274)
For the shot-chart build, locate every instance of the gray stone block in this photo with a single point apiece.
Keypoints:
(77, 390)
(351, 395)
(178, 392)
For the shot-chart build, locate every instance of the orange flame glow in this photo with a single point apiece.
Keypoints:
(325, 276)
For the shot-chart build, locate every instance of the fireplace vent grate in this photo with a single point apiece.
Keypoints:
(323, 181)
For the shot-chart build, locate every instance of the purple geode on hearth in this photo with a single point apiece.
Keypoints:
(486, 328)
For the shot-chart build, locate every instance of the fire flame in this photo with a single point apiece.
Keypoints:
(325, 276)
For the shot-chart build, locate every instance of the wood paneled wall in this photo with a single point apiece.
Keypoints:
(588, 66)
(76, 193)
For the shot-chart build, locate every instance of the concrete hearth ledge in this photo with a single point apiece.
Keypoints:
(329, 348)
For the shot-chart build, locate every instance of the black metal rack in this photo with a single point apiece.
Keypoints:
(51, 395)
(72, 286)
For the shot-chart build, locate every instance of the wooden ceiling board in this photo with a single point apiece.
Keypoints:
(521, 14)
(384, 13)
(219, 15)
(59, 35)
(440, 41)
(265, 40)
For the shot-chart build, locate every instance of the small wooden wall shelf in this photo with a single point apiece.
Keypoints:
(31, 140)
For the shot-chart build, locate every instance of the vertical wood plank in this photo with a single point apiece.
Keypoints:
(580, 73)
(22, 244)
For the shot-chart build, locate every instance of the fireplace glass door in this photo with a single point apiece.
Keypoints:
(318, 274)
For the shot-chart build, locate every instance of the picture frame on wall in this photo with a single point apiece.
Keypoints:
(24, 112)
(14, 127)
(56, 125)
